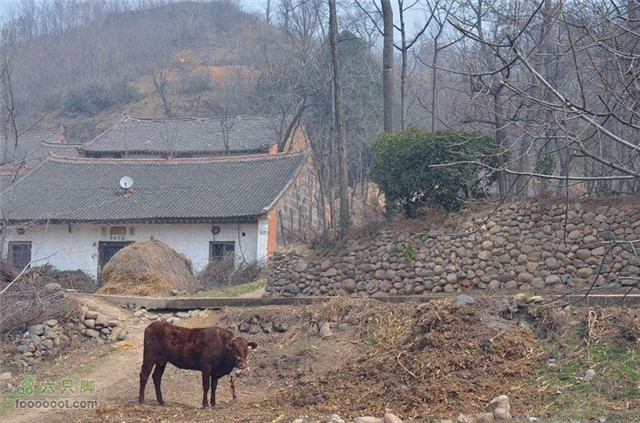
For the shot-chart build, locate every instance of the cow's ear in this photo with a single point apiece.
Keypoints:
(252, 345)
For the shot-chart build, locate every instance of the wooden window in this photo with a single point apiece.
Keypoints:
(19, 255)
(218, 250)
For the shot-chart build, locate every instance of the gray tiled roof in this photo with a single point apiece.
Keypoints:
(33, 148)
(6, 179)
(184, 136)
(71, 190)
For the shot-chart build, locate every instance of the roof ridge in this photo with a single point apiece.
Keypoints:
(186, 160)
(130, 133)
(58, 144)
(45, 131)
(121, 120)
(194, 118)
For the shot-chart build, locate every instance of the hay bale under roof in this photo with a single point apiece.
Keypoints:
(148, 268)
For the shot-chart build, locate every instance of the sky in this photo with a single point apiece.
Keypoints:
(7, 7)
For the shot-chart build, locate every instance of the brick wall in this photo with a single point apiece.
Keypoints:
(296, 214)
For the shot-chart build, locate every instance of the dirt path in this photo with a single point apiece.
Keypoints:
(116, 383)
(110, 372)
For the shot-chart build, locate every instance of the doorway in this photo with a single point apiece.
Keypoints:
(107, 249)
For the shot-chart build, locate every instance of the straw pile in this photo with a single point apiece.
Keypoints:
(428, 361)
(149, 268)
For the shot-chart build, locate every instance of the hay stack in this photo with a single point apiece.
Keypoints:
(149, 268)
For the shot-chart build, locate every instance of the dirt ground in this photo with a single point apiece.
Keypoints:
(115, 373)
(421, 361)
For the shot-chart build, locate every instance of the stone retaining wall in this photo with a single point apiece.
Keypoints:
(523, 245)
(51, 337)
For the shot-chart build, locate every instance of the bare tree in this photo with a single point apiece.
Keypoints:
(559, 84)
(338, 122)
(387, 65)
(404, 47)
(267, 12)
(406, 41)
(439, 10)
(9, 125)
(161, 84)
(226, 125)
(10, 128)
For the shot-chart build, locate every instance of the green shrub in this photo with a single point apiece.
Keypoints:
(401, 168)
(410, 253)
(87, 100)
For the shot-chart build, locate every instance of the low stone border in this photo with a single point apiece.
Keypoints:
(191, 303)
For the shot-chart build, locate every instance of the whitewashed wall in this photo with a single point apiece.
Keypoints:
(75, 246)
(263, 237)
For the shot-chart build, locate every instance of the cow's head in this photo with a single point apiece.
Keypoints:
(239, 348)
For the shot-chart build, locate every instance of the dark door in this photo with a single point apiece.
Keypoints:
(106, 250)
(19, 255)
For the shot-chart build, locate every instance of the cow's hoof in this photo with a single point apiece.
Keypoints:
(160, 402)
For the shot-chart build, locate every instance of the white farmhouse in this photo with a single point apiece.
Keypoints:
(74, 214)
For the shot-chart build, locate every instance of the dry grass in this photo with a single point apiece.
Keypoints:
(7, 274)
(149, 268)
(25, 303)
(424, 361)
(67, 279)
(225, 272)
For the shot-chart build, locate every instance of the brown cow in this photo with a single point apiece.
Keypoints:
(214, 351)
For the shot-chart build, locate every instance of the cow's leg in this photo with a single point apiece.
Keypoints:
(147, 365)
(214, 386)
(233, 379)
(206, 379)
(157, 379)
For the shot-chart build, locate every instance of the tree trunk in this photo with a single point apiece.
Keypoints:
(403, 88)
(434, 94)
(338, 121)
(387, 65)
(501, 137)
(522, 181)
(267, 12)
(160, 84)
(403, 71)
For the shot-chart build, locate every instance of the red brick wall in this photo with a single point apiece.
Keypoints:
(296, 215)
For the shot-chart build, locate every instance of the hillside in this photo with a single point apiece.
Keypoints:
(183, 59)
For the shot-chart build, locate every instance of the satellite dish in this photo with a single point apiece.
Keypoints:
(126, 182)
